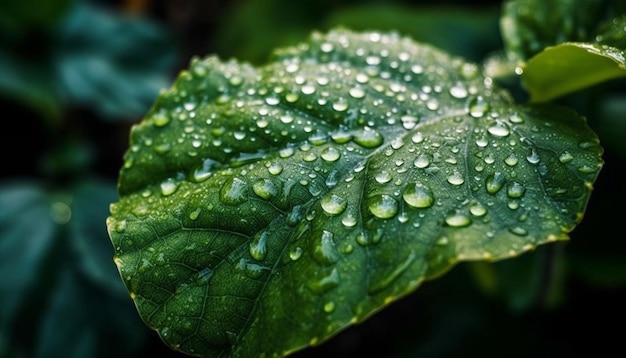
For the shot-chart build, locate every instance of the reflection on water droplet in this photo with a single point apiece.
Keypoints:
(329, 307)
(330, 154)
(324, 250)
(295, 253)
(383, 206)
(168, 186)
(258, 246)
(333, 204)
(418, 195)
(456, 178)
(478, 107)
(515, 190)
(566, 157)
(357, 92)
(500, 129)
(519, 231)
(409, 122)
(265, 188)
(160, 119)
(494, 182)
(286, 152)
(234, 191)
(275, 168)
(194, 214)
(477, 209)
(458, 91)
(458, 220)
(368, 138)
(348, 220)
(422, 161)
(383, 177)
(533, 157)
(511, 160)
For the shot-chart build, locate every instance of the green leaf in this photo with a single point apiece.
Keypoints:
(55, 264)
(569, 67)
(112, 63)
(265, 209)
(529, 26)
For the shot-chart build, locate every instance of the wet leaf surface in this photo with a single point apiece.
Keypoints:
(266, 209)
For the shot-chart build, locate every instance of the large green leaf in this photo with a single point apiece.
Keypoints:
(265, 209)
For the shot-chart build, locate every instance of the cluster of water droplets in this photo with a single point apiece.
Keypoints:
(375, 139)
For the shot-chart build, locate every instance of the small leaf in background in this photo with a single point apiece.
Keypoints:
(111, 63)
(568, 67)
(263, 210)
(61, 295)
(529, 26)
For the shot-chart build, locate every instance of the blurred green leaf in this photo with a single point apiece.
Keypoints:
(18, 18)
(529, 26)
(439, 26)
(568, 67)
(263, 210)
(61, 295)
(108, 62)
(112, 62)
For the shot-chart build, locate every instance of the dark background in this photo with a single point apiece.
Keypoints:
(76, 75)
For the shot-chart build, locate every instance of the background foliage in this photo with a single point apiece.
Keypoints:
(75, 75)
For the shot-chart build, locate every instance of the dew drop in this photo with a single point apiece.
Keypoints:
(478, 107)
(168, 187)
(383, 177)
(511, 160)
(417, 138)
(515, 190)
(349, 220)
(494, 182)
(357, 92)
(456, 178)
(333, 204)
(340, 106)
(341, 137)
(478, 209)
(324, 250)
(458, 91)
(275, 168)
(160, 120)
(458, 220)
(368, 138)
(258, 246)
(286, 152)
(519, 231)
(418, 195)
(409, 122)
(329, 307)
(194, 214)
(533, 157)
(383, 206)
(265, 188)
(295, 253)
(234, 191)
(422, 161)
(330, 154)
(566, 157)
(499, 130)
